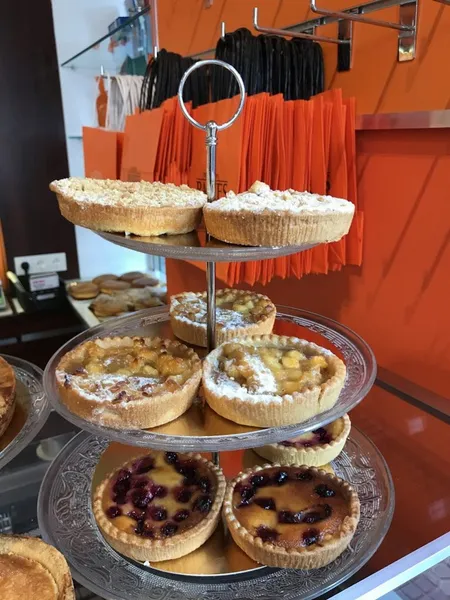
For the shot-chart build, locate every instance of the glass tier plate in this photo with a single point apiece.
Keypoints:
(31, 411)
(200, 428)
(66, 521)
(194, 246)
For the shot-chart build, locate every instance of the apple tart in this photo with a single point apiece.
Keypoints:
(271, 380)
(238, 313)
(129, 382)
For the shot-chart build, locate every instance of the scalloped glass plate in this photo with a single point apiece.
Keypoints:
(194, 246)
(66, 521)
(200, 428)
(31, 411)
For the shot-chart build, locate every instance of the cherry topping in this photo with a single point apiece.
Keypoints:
(121, 487)
(137, 515)
(141, 498)
(157, 513)
(113, 512)
(267, 534)
(159, 491)
(143, 465)
(203, 504)
(246, 492)
(266, 503)
(311, 536)
(171, 458)
(181, 515)
(259, 480)
(289, 517)
(139, 529)
(324, 491)
(148, 531)
(304, 476)
(138, 482)
(280, 477)
(316, 514)
(190, 472)
(204, 484)
(120, 498)
(169, 529)
(182, 494)
(123, 475)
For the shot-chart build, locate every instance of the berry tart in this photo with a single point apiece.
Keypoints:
(129, 382)
(137, 207)
(7, 394)
(160, 506)
(31, 569)
(314, 448)
(238, 313)
(291, 517)
(271, 380)
(263, 217)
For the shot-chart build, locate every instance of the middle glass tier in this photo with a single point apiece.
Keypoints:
(200, 428)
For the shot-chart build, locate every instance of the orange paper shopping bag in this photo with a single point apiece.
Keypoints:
(101, 153)
(140, 145)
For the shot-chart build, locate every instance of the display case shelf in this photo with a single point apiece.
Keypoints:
(123, 49)
(66, 520)
(200, 428)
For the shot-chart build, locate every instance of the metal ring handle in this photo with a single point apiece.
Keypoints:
(238, 78)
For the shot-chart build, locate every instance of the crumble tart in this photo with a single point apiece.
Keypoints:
(271, 380)
(129, 382)
(7, 394)
(238, 313)
(264, 217)
(136, 207)
(291, 517)
(160, 506)
(31, 569)
(315, 448)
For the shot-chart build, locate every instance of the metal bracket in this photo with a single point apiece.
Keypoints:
(407, 26)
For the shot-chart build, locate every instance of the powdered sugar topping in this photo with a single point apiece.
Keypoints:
(260, 198)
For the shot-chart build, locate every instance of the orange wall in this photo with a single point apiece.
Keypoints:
(378, 81)
(398, 300)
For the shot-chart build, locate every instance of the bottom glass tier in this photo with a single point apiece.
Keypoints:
(218, 569)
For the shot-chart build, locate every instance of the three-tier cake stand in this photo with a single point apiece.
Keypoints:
(219, 570)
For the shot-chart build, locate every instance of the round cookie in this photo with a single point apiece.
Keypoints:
(107, 277)
(131, 276)
(85, 290)
(113, 286)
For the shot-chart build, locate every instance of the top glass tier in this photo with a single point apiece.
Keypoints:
(124, 49)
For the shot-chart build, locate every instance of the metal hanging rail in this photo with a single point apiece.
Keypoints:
(294, 34)
(406, 27)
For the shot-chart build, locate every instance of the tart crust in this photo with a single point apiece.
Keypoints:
(311, 557)
(7, 394)
(141, 413)
(47, 562)
(283, 222)
(313, 456)
(273, 410)
(194, 332)
(145, 549)
(140, 217)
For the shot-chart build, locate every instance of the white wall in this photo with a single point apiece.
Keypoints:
(77, 24)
